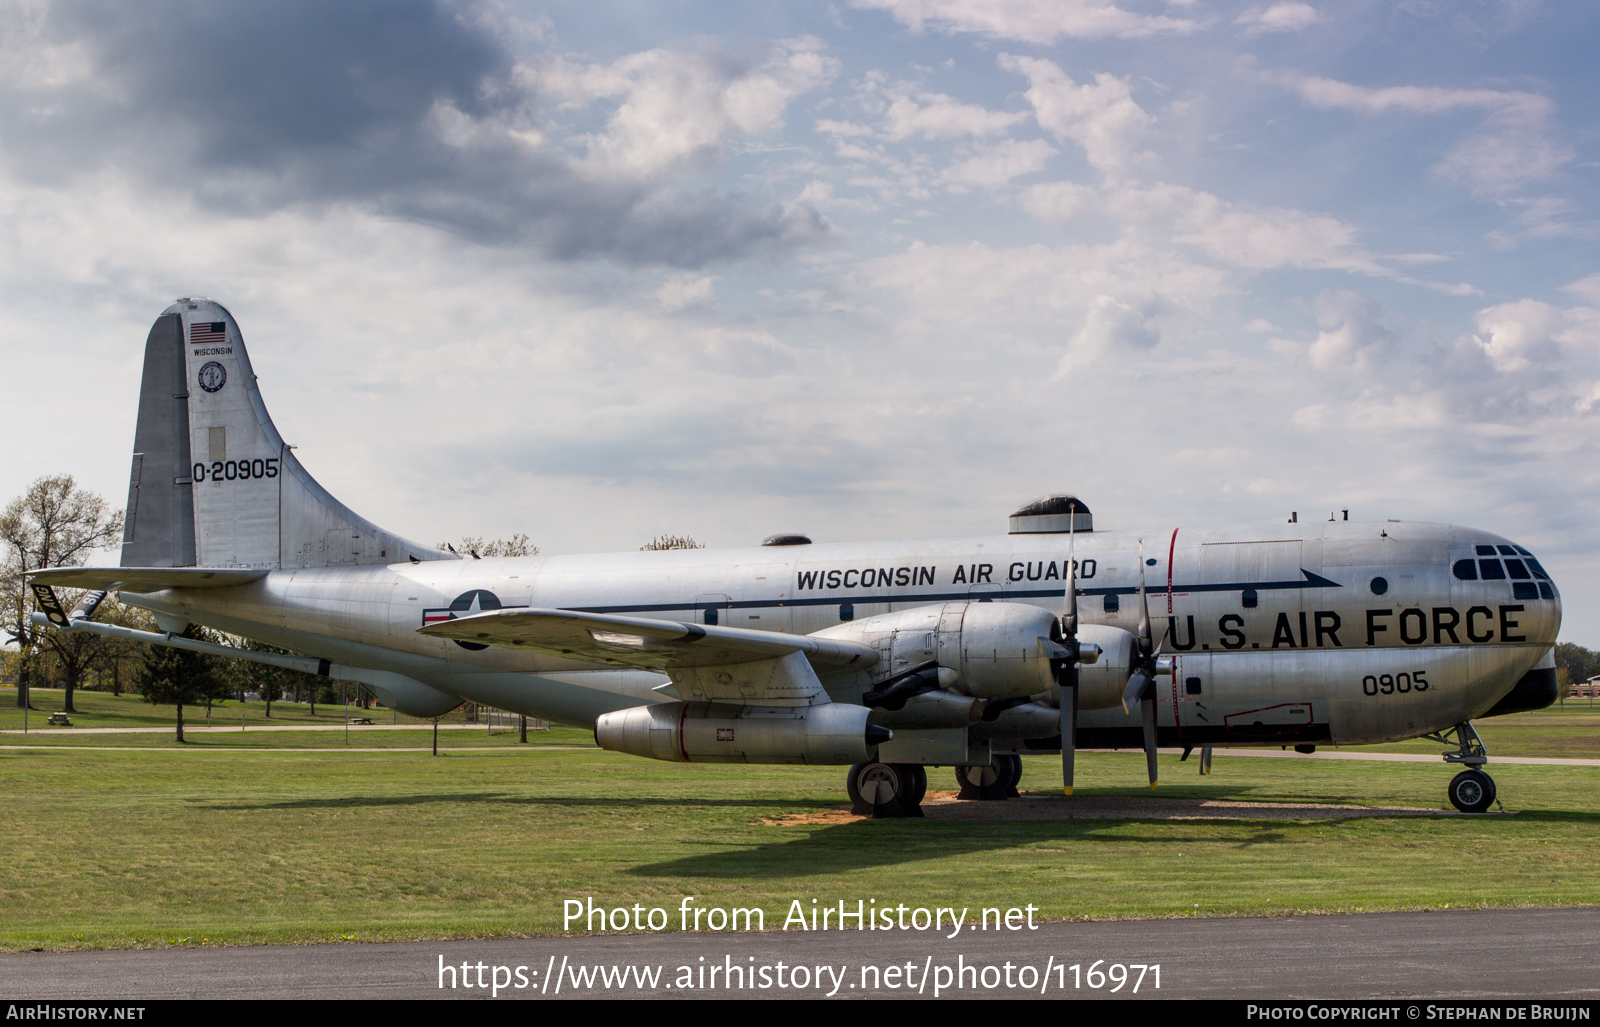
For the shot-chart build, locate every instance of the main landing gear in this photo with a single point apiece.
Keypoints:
(897, 789)
(887, 789)
(996, 781)
(1471, 791)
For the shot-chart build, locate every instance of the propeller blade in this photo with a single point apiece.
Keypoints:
(1069, 619)
(1148, 710)
(1145, 643)
(1069, 735)
(1068, 700)
(1138, 681)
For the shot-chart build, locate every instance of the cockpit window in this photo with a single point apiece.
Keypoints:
(1538, 570)
(1518, 570)
(1506, 551)
(1486, 550)
(1491, 569)
(1465, 570)
(1524, 552)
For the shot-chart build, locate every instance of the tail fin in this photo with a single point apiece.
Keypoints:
(213, 484)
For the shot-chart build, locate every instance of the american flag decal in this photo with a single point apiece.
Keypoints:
(207, 332)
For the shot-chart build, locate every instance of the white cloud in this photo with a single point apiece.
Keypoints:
(681, 291)
(1102, 116)
(997, 165)
(1074, 304)
(1530, 335)
(1059, 202)
(679, 106)
(936, 116)
(1357, 335)
(1030, 21)
(1281, 17)
(1511, 148)
(1242, 236)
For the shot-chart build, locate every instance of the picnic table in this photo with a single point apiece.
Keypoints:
(61, 719)
(361, 720)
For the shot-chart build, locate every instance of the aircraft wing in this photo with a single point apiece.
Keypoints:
(658, 645)
(146, 579)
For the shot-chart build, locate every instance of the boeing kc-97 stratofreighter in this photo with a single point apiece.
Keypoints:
(887, 657)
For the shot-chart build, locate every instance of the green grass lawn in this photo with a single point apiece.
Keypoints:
(211, 846)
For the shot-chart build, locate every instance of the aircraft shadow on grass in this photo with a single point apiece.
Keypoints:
(863, 845)
(576, 801)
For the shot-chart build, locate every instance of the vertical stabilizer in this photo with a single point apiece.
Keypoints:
(212, 483)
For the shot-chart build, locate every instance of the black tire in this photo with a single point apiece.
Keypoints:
(1472, 791)
(917, 789)
(1013, 763)
(852, 784)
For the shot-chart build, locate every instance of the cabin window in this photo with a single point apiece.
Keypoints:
(711, 615)
(1112, 604)
(847, 611)
(1249, 598)
(1191, 686)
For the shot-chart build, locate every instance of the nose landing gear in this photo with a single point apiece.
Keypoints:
(1471, 791)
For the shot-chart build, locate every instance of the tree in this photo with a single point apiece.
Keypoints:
(1578, 663)
(53, 524)
(168, 676)
(671, 542)
(474, 545)
(271, 682)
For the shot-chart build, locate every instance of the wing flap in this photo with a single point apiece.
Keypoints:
(641, 643)
(146, 579)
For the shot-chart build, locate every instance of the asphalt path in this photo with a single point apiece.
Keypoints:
(1541, 954)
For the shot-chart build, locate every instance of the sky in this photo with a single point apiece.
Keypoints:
(876, 269)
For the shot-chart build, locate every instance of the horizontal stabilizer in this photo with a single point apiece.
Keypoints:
(658, 645)
(146, 579)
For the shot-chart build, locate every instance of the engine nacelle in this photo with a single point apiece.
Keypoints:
(703, 732)
(994, 648)
(1100, 683)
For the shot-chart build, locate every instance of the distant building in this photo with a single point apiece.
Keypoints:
(1588, 689)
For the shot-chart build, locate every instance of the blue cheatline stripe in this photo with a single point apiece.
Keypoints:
(1310, 581)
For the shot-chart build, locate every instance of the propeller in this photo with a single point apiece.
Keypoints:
(1142, 682)
(1068, 677)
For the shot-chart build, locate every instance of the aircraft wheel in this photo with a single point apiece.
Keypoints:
(876, 789)
(980, 782)
(919, 783)
(1010, 766)
(1472, 791)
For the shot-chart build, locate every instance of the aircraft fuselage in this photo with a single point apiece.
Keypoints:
(1319, 632)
